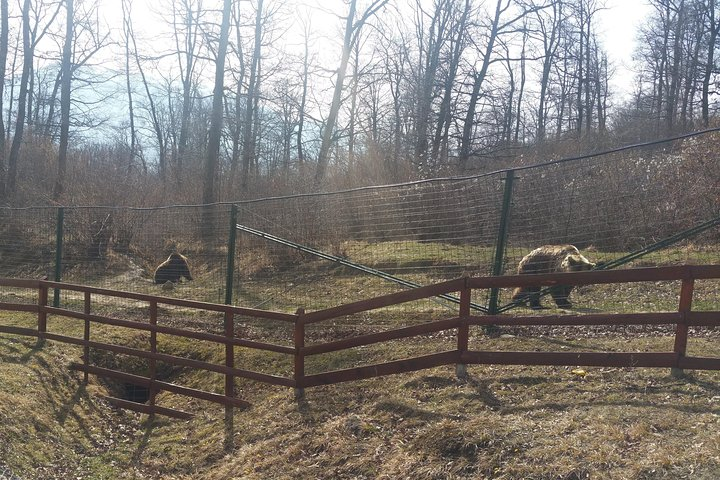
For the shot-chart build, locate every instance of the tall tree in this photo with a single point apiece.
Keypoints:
(127, 26)
(549, 27)
(186, 32)
(4, 36)
(11, 182)
(65, 100)
(216, 120)
(352, 30)
(248, 146)
(478, 77)
(713, 23)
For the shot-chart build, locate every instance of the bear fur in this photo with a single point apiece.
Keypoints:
(550, 259)
(172, 269)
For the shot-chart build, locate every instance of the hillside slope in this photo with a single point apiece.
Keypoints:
(502, 423)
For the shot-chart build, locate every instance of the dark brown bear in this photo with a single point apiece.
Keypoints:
(550, 259)
(172, 269)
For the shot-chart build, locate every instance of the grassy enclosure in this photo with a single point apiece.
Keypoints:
(503, 422)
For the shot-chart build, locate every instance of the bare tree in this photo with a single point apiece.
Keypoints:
(4, 36)
(549, 27)
(237, 129)
(248, 146)
(186, 32)
(458, 42)
(216, 122)
(712, 20)
(127, 12)
(352, 30)
(153, 108)
(478, 77)
(65, 100)
(11, 181)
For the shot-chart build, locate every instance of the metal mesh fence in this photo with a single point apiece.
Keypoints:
(316, 251)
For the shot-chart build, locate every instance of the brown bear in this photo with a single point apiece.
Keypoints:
(172, 269)
(550, 259)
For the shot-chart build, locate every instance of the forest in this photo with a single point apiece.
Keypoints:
(118, 102)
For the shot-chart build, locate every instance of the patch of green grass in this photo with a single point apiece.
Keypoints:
(502, 422)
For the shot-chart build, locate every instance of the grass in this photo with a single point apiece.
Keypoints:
(502, 422)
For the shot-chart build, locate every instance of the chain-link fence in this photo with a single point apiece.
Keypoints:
(314, 251)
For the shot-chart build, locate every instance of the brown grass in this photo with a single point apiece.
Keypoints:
(501, 423)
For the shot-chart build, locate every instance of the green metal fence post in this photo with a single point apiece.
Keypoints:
(58, 253)
(231, 256)
(502, 239)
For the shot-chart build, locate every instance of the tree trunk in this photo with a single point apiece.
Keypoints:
(479, 78)
(22, 100)
(128, 85)
(352, 29)
(154, 117)
(248, 145)
(328, 129)
(4, 36)
(714, 26)
(187, 68)
(65, 101)
(216, 120)
(303, 100)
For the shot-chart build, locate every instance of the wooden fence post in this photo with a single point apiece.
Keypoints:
(42, 314)
(463, 330)
(152, 390)
(86, 338)
(299, 337)
(229, 379)
(681, 329)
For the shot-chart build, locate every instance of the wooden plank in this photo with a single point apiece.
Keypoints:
(179, 302)
(382, 369)
(169, 387)
(19, 307)
(28, 332)
(699, 363)
(373, 338)
(629, 275)
(299, 359)
(463, 324)
(681, 330)
(175, 360)
(179, 332)
(591, 359)
(703, 319)
(420, 293)
(148, 409)
(580, 320)
(704, 272)
(20, 283)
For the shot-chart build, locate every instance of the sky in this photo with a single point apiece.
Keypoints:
(619, 24)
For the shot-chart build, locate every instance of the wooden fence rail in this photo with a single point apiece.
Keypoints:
(683, 318)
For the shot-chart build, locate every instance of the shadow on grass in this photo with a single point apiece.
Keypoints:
(406, 410)
(149, 427)
(21, 355)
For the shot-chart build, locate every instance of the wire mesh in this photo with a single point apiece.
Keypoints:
(319, 250)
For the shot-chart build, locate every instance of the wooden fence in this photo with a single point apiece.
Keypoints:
(682, 318)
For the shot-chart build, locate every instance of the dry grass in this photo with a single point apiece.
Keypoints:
(502, 423)
(510, 422)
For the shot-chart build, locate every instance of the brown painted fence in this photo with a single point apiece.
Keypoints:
(683, 318)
